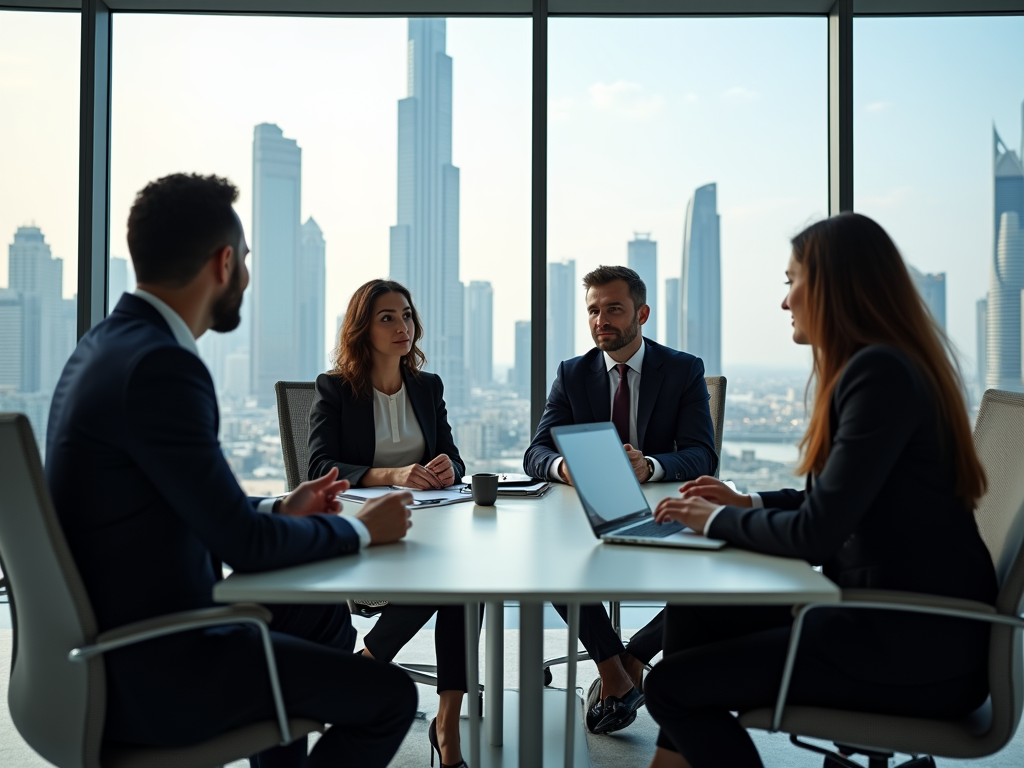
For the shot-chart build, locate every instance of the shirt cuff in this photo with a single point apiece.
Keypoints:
(711, 519)
(266, 507)
(361, 531)
(756, 501)
(659, 471)
(553, 470)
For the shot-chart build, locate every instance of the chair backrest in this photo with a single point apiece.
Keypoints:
(57, 705)
(999, 441)
(716, 391)
(294, 399)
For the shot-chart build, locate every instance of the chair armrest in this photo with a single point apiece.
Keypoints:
(172, 623)
(883, 600)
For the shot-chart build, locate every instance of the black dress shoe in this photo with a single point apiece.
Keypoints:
(595, 707)
(619, 712)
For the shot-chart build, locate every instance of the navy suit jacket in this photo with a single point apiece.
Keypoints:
(342, 432)
(673, 421)
(143, 493)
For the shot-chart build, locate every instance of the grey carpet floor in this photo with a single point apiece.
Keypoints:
(631, 748)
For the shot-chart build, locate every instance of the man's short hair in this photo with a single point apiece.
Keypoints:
(604, 275)
(175, 225)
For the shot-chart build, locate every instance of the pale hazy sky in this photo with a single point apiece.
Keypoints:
(641, 113)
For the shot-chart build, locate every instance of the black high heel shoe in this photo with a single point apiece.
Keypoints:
(432, 735)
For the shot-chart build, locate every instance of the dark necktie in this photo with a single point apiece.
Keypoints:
(620, 405)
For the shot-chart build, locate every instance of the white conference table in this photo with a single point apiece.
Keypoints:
(531, 551)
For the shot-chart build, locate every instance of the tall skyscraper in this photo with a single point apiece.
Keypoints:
(48, 319)
(981, 340)
(310, 287)
(1006, 275)
(480, 333)
(643, 259)
(671, 338)
(425, 238)
(562, 319)
(117, 280)
(932, 288)
(276, 203)
(700, 290)
(13, 343)
(521, 373)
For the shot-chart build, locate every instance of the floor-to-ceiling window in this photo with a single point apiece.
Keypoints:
(362, 148)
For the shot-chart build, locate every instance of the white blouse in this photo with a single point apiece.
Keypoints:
(399, 436)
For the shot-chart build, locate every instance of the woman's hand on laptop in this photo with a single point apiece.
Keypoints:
(715, 491)
(692, 512)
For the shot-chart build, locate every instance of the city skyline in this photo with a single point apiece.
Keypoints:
(561, 316)
(700, 288)
(642, 258)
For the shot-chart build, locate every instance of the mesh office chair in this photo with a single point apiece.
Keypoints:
(999, 440)
(57, 693)
(294, 399)
(716, 404)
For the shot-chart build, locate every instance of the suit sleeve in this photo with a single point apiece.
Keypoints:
(879, 405)
(694, 432)
(443, 430)
(557, 412)
(784, 499)
(171, 416)
(327, 435)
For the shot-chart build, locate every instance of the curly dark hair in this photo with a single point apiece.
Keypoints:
(353, 358)
(176, 223)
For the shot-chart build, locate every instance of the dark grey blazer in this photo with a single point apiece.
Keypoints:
(342, 434)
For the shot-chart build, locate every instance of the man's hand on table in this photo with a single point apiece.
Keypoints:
(387, 518)
(639, 463)
(314, 497)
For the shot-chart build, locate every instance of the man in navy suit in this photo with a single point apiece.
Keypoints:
(150, 508)
(658, 401)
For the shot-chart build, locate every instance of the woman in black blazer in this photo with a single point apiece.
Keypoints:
(892, 481)
(381, 421)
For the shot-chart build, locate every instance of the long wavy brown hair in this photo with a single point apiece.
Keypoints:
(859, 293)
(353, 356)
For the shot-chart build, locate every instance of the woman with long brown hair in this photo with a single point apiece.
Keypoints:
(380, 419)
(892, 481)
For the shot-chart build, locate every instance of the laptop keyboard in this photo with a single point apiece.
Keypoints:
(652, 530)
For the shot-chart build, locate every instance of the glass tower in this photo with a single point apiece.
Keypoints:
(310, 281)
(425, 238)
(700, 291)
(480, 333)
(561, 335)
(277, 196)
(1006, 276)
(672, 313)
(643, 259)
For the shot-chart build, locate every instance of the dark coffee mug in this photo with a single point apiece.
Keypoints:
(485, 489)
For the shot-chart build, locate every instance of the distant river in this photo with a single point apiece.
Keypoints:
(786, 452)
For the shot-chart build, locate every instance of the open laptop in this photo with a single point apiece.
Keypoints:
(611, 495)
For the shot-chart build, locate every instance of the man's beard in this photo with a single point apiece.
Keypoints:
(227, 309)
(621, 339)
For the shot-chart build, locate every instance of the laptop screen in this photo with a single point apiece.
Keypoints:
(601, 473)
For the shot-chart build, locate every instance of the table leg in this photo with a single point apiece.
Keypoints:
(531, 684)
(571, 707)
(494, 673)
(472, 679)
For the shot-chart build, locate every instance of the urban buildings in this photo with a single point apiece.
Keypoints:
(1006, 274)
(700, 313)
(121, 279)
(479, 327)
(981, 341)
(671, 337)
(932, 288)
(521, 372)
(277, 196)
(562, 318)
(310, 282)
(643, 259)
(425, 239)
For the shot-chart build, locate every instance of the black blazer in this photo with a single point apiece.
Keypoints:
(883, 513)
(341, 428)
(139, 483)
(673, 422)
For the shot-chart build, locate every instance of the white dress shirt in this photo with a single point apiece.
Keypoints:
(636, 364)
(755, 501)
(183, 335)
(399, 435)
